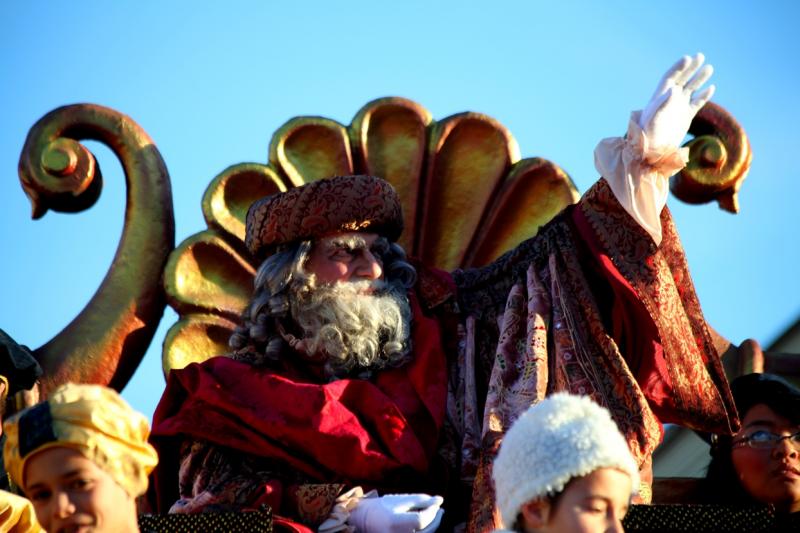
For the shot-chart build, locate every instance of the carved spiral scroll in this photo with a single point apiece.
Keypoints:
(719, 159)
(106, 341)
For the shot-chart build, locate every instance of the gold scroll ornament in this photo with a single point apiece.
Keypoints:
(106, 341)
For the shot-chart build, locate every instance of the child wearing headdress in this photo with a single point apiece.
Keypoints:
(82, 458)
(564, 467)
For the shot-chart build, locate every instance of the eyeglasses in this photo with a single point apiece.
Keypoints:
(766, 440)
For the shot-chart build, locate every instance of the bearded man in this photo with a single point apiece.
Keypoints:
(355, 370)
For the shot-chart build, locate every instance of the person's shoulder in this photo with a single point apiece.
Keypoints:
(434, 286)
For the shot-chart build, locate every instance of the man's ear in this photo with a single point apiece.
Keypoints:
(535, 513)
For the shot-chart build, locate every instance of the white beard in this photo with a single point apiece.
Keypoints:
(355, 327)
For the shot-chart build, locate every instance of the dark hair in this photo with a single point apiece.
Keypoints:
(749, 390)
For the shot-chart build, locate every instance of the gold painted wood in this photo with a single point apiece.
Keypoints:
(719, 159)
(106, 341)
(311, 148)
(534, 191)
(466, 196)
(468, 158)
(195, 339)
(389, 139)
(228, 197)
(205, 273)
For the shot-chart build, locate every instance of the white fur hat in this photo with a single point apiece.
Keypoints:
(559, 438)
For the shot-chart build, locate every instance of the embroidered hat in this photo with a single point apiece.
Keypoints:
(91, 419)
(560, 438)
(323, 207)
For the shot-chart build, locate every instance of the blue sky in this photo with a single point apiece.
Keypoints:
(211, 83)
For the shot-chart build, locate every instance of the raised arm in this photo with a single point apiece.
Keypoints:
(638, 166)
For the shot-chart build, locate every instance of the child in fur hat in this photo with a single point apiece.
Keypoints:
(564, 466)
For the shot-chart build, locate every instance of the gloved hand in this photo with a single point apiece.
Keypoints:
(397, 513)
(666, 119)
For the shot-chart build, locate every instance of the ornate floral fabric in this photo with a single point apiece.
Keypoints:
(590, 306)
(661, 282)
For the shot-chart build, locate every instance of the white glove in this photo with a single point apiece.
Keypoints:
(397, 513)
(638, 167)
(666, 119)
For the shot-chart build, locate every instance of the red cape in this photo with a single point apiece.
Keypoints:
(350, 430)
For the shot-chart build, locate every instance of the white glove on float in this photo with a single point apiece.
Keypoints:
(666, 119)
(397, 513)
(638, 167)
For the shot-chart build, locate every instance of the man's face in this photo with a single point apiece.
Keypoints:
(346, 256)
(71, 493)
(351, 316)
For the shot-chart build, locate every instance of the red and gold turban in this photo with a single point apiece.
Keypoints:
(324, 207)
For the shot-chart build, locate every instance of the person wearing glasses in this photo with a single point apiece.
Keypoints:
(761, 462)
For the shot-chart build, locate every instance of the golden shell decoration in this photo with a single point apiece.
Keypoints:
(467, 197)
